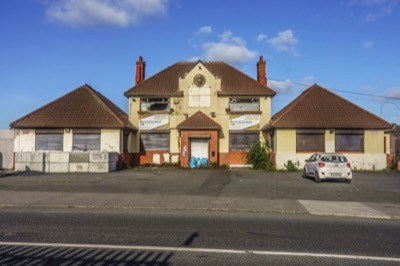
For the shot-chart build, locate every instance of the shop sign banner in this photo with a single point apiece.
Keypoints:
(154, 121)
(244, 122)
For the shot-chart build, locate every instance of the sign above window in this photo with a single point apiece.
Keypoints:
(153, 121)
(244, 122)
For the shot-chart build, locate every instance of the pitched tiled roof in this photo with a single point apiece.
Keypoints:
(81, 108)
(199, 121)
(317, 107)
(233, 81)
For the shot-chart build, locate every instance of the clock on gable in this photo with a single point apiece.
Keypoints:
(199, 80)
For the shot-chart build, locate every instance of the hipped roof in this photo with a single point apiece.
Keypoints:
(318, 107)
(233, 81)
(81, 108)
(199, 121)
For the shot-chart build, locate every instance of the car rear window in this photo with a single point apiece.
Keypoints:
(334, 159)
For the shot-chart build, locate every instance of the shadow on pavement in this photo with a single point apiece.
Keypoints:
(24, 255)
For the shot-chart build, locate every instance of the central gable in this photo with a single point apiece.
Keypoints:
(199, 85)
(198, 72)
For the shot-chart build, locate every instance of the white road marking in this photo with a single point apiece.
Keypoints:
(204, 250)
(341, 208)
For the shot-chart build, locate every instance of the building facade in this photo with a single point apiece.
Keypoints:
(321, 121)
(192, 114)
(206, 110)
(81, 131)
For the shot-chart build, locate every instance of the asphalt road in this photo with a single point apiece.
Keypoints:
(382, 187)
(189, 238)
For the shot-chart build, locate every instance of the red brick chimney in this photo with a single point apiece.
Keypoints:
(262, 71)
(140, 70)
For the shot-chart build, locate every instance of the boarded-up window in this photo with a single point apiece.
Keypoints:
(242, 141)
(244, 104)
(349, 140)
(199, 97)
(154, 141)
(86, 142)
(49, 142)
(310, 140)
(154, 104)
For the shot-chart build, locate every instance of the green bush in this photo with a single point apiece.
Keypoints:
(259, 157)
(290, 166)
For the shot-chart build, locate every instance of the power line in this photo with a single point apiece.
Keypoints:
(396, 106)
(344, 91)
(370, 95)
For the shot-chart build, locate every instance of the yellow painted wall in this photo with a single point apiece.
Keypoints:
(329, 141)
(217, 106)
(373, 157)
(285, 141)
(388, 147)
(134, 107)
(373, 141)
(182, 111)
(265, 107)
(223, 119)
(174, 141)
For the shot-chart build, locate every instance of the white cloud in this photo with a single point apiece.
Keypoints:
(205, 30)
(194, 59)
(281, 86)
(230, 49)
(285, 41)
(371, 2)
(287, 86)
(381, 12)
(368, 44)
(393, 93)
(261, 37)
(308, 80)
(103, 12)
(376, 8)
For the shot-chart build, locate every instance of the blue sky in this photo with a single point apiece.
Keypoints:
(48, 48)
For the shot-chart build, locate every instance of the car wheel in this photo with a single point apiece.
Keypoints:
(304, 173)
(348, 181)
(317, 179)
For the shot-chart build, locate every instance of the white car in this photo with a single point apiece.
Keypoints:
(328, 166)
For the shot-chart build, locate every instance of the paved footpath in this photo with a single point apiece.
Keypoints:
(371, 195)
(10, 199)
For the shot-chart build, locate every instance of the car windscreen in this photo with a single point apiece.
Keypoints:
(334, 159)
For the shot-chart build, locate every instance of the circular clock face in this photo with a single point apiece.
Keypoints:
(199, 80)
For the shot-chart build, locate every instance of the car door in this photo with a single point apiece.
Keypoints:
(309, 164)
(315, 163)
